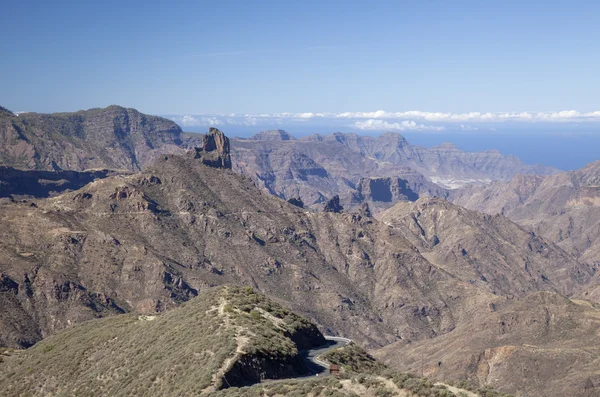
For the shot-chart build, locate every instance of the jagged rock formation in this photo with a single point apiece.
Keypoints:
(215, 150)
(228, 336)
(564, 208)
(317, 167)
(114, 138)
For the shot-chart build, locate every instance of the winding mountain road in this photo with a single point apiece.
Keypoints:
(314, 364)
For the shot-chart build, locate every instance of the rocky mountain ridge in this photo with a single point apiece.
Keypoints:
(115, 138)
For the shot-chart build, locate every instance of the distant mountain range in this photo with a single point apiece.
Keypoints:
(317, 167)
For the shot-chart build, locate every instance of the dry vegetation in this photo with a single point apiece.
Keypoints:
(181, 352)
(361, 375)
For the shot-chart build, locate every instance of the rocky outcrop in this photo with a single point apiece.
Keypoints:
(214, 151)
(297, 202)
(333, 205)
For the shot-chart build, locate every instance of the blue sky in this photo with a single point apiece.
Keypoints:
(305, 56)
(434, 66)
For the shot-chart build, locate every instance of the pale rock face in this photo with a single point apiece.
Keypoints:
(215, 150)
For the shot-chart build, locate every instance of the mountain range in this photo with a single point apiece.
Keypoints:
(494, 283)
(316, 167)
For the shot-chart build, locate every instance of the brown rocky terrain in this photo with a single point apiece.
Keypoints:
(542, 345)
(146, 242)
(488, 251)
(424, 274)
(114, 138)
(564, 208)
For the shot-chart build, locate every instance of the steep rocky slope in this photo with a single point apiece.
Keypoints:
(488, 251)
(564, 208)
(148, 241)
(543, 345)
(225, 337)
(114, 138)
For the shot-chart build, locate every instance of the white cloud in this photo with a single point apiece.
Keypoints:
(412, 120)
(468, 128)
(566, 115)
(406, 125)
(189, 120)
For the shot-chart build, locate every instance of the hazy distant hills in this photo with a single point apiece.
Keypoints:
(317, 167)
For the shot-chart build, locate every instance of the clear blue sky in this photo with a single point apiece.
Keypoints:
(301, 56)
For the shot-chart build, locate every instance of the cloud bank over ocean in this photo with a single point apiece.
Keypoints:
(413, 120)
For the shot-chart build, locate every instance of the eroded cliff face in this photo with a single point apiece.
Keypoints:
(114, 138)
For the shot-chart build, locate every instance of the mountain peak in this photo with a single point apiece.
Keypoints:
(273, 135)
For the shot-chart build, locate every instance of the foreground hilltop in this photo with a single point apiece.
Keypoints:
(214, 345)
(228, 336)
(113, 138)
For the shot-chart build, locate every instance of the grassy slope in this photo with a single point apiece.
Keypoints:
(181, 352)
